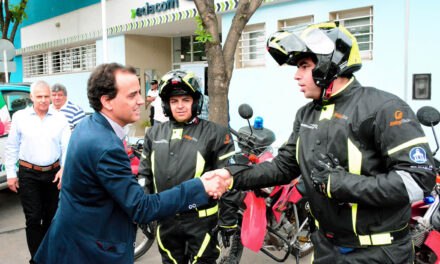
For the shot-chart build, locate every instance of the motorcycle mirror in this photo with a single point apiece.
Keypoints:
(428, 116)
(245, 111)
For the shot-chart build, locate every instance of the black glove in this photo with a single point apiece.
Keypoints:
(226, 233)
(325, 165)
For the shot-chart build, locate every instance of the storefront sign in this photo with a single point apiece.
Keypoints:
(149, 9)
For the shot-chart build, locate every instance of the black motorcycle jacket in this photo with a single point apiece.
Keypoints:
(384, 153)
(175, 152)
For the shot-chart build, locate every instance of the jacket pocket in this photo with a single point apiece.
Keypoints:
(101, 251)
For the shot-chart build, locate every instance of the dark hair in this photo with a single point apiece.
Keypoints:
(153, 82)
(102, 81)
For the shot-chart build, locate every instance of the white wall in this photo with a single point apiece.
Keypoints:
(76, 83)
(88, 19)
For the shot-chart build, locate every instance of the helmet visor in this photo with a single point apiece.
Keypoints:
(311, 41)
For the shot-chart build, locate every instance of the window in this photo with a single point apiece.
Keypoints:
(16, 100)
(35, 65)
(82, 58)
(296, 24)
(422, 86)
(360, 23)
(188, 49)
(251, 46)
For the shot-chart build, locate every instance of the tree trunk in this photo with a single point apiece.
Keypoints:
(218, 84)
(221, 61)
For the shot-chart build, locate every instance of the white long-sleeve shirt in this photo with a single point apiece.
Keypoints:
(38, 141)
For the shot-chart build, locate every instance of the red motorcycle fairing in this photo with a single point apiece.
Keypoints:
(289, 194)
(134, 161)
(253, 227)
(433, 242)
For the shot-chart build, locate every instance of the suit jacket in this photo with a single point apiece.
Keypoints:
(100, 200)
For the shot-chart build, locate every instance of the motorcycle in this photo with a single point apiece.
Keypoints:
(274, 220)
(425, 214)
(145, 233)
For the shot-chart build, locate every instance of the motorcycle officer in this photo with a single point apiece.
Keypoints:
(182, 149)
(362, 153)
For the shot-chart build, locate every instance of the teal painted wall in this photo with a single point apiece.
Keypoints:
(39, 10)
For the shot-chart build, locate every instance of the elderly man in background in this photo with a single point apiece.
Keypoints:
(71, 111)
(38, 141)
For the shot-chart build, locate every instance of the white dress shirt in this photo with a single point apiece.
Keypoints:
(38, 141)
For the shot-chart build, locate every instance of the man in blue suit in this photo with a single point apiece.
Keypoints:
(100, 200)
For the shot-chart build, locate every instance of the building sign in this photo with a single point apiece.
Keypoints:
(149, 9)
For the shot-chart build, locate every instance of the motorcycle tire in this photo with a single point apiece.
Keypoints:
(145, 235)
(233, 253)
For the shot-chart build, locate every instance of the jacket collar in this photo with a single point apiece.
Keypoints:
(109, 124)
(344, 92)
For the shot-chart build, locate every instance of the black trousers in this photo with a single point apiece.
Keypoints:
(187, 239)
(39, 198)
(152, 115)
(400, 252)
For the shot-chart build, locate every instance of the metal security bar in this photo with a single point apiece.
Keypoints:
(82, 58)
(296, 24)
(360, 23)
(251, 47)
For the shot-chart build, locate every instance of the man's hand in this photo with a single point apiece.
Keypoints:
(13, 184)
(58, 177)
(320, 174)
(216, 182)
(223, 173)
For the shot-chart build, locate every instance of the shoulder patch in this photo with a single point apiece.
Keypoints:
(418, 155)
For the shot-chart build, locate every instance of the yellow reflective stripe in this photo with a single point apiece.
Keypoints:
(327, 112)
(227, 155)
(365, 240)
(297, 150)
(232, 183)
(143, 155)
(177, 133)
(354, 209)
(329, 195)
(354, 158)
(376, 239)
(200, 165)
(232, 226)
(275, 41)
(354, 57)
(152, 170)
(186, 79)
(407, 144)
(317, 223)
(159, 241)
(354, 167)
(208, 212)
(202, 247)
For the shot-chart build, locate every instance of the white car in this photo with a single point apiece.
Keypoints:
(13, 98)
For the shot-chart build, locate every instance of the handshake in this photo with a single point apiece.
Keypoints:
(216, 182)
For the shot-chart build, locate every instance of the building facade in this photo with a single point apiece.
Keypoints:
(63, 43)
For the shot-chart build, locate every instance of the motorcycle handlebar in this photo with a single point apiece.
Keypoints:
(245, 140)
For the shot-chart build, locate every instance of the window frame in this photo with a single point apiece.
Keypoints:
(61, 61)
(250, 53)
(342, 16)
